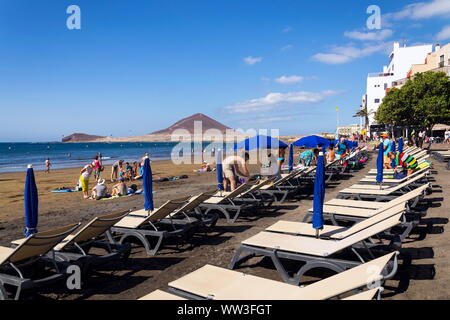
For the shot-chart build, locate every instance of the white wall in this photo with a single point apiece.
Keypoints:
(399, 65)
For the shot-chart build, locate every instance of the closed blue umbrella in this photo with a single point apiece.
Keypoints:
(312, 142)
(394, 146)
(147, 181)
(291, 158)
(380, 163)
(30, 203)
(319, 194)
(219, 170)
(400, 145)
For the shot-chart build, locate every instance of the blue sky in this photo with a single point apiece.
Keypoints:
(139, 66)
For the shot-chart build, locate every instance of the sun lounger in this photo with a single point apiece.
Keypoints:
(390, 172)
(390, 181)
(337, 232)
(215, 283)
(161, 295)
(153, 228)
(366, 295)
(442, 156)
(288, 186)
(16, 264)
(77, 246)
(316, 253)
(231, 204)
(381, 194)
(412, 198)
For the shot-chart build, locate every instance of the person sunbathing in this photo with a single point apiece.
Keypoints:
(120, 189)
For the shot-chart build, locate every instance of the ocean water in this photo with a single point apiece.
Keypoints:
(15, 157)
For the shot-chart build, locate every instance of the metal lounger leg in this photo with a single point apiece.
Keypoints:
(237, 258)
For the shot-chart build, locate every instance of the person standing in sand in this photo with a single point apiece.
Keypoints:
(97, 165)
(232, 166)
(84, 179)
(116, 168)
(47, 165)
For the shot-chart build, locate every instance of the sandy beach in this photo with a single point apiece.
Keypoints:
(423, 275)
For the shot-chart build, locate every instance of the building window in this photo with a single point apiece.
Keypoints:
(385, 86)
(377, 100)
(441, 61)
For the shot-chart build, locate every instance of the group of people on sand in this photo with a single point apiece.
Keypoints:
(120, 173)
(235, 167)
(333, 152)
(403, 163)
(128, 171)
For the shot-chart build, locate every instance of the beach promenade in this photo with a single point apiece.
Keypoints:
(426, 276)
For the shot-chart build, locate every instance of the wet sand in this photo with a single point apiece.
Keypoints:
(429, 246)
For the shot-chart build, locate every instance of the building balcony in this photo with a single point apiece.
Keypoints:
(376, 75)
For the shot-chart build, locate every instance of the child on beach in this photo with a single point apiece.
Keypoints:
(84, 179)
(129, 171)
(47, 165)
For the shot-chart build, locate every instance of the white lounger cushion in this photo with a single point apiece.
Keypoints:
(162, 295)
(334, 232)
(365, 295)
(317, 247)
(224, 284)
(376, 205)
(386, 191)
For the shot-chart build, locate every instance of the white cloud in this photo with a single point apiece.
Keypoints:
(287, 47)
(266, 119)
(252, 60)
(289, 79)
(287, 29)
(444, 34)
(371, 36)
(331, 58)
(421, 10)
(344, 54)
(274, 99)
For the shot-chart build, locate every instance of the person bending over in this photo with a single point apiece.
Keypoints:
(232, 167)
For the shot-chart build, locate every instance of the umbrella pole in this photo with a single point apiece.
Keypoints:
(317, 233)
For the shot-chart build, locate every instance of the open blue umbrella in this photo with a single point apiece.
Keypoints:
(147, 181)
(291, 158)
(30, 203)
(219, 170)
(312, 142)
(400, 145)
(260, 142)
(380, 163)
(319, 195)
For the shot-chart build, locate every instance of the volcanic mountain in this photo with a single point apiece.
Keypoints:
(188, 124)
(81, 137)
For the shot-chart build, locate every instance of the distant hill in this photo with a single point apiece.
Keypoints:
(81, 137)
(188, 124)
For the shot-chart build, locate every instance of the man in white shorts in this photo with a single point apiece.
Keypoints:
(232, 166)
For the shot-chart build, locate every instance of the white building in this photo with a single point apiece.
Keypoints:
(400, 61)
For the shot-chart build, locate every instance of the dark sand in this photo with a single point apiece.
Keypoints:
(142, 274)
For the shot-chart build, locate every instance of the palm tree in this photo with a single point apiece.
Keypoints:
(363, 112)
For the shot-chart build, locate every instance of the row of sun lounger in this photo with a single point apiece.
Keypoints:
(389, 217)
(175, 218)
